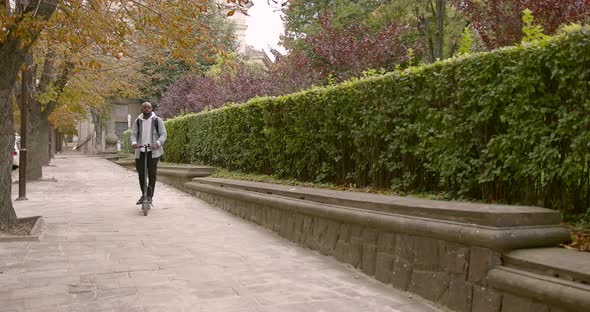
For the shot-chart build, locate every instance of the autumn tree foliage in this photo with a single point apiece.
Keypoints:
(435, 23)
(161, 68)
(499, 22)
(83, 37)
(345, 52)
(84, 32)
(232, 80)
(292, 72)
(190, 94)
(336, 52)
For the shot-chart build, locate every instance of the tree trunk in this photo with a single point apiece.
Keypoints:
(39, 118)
(12, 56)
(35, 131)
(58, 141)
(5, 6)
(439, 18)
(52, 144)
(97, 121)
(432, 27)
(40, 129)
(7, 214)
(425, 29)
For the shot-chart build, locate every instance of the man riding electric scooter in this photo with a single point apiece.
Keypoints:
(148, 129)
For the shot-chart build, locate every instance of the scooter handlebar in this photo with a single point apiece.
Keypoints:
(146, 146)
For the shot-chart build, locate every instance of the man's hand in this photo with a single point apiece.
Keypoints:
(134, 145)
(157, 145)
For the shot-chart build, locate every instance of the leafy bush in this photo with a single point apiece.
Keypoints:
(507, 126)
(126, 144)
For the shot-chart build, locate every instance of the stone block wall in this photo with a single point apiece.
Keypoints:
(450, 274)
(177, 183)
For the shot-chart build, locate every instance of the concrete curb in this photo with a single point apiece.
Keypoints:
(557, 292)
(125, 162)
(34, 235)
(185, 172)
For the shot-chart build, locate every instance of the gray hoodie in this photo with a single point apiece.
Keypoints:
(161, 138)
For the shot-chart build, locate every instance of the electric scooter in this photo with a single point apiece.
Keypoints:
(145, 204)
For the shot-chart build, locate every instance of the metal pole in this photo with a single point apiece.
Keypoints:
(49, 129)
(22, 170)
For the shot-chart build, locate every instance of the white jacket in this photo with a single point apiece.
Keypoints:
(158, 135)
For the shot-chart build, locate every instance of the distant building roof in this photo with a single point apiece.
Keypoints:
(257, 56)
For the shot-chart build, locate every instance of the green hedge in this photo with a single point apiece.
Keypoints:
(126, 144)
(507, 126)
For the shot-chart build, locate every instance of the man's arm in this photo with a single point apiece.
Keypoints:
(163, 134)
(133, 136)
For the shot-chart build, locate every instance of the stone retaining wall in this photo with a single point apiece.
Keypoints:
(178, 175)
(448, 273)
(441, 260)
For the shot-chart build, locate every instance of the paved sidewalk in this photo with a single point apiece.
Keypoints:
(98, 253)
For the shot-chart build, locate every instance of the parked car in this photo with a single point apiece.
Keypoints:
(16, 153)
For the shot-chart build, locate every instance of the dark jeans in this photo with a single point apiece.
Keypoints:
(152, 168)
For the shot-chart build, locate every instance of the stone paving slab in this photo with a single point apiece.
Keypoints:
(98, 253)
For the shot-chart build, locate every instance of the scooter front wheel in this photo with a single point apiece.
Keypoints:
(145, 207)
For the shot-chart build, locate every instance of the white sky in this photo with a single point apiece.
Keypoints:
(264, 27)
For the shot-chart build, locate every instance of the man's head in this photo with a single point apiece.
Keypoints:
(146, 109)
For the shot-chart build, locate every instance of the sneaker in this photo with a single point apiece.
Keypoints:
(139, 201)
